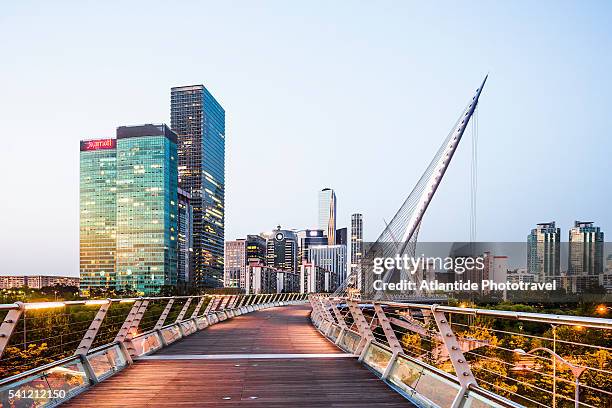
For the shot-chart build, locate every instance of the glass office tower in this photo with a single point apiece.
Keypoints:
(147, 208)
(327, 214)
(199, 121)
(97, 197)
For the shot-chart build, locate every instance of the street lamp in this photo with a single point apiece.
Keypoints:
(576, 370)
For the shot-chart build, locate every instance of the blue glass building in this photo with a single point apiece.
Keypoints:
(147, 208)
(199, 122)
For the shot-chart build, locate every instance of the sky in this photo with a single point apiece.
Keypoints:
(352, 95)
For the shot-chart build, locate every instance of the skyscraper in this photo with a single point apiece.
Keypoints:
(147, 208)
(327, 214)
(97, 224)
(544, 251)
(199, 121)
(585, 255)
(356, 247)
(185, 239)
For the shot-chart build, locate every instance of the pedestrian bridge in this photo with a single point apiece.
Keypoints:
(284, 350)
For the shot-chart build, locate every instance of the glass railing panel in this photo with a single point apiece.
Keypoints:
(405, 374)
(324, 326)
(377, 358)
(146, 344)
(171, 334)
(334, 333)
(107, 362)
(47, 388)
(350, 341)
(474, 400)
(202, 322)
(189, 327)
(434, 390)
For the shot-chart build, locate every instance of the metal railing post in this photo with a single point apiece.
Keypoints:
(461, 366)
(362, 326)
(395, 345)
(164, 315)
(128, 321)
(8, 325)
(92, 331)
(183, 311)
(198, 307)
(210, 305)
(334, 307)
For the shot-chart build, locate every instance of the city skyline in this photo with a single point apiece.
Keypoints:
(410, 97)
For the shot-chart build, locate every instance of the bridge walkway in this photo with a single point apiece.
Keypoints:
(269, 358)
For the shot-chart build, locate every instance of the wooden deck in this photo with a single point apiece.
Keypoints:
(247, 361)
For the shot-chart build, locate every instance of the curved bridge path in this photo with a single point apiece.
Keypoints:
(268, 358)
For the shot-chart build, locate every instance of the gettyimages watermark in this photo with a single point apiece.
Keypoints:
(493, 271)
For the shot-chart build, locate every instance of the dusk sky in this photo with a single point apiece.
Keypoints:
(352, 95)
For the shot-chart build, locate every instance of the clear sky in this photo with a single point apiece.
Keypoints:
(353, 95)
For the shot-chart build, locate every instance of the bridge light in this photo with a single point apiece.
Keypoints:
(44, 305)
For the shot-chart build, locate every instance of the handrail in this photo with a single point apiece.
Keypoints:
(585, 321)
(439, 334)
(90, 377)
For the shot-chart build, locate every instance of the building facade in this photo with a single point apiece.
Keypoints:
(282, 250)
(544, 252)
(585, 256)
(357, 247)
(37, 281)
(147, 208)
(330, 258)
(235, 263)
(586, 244)
(199, 121)
(309, 238)
(185, 239)
(327, 214)
(97, 215)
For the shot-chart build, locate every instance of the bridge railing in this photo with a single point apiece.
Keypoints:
(52, 351)
(459, 356)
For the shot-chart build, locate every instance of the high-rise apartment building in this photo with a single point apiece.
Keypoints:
(199, 121)
(147, 208)
(327, 214)
(544, 251)
(586, 242)
(185, 239)
(356, 247)
(97, 223)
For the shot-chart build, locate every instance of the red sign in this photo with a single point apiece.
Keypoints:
(98, 144)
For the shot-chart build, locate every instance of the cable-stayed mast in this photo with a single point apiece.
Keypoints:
(407, 220)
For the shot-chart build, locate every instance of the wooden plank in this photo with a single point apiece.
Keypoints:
(282, 382)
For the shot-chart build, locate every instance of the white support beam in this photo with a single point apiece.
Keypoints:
(395, 345)
(92, 331)
(164, 315)
(183, 311)
(460, 364)
(8, 326)
(198, 307)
